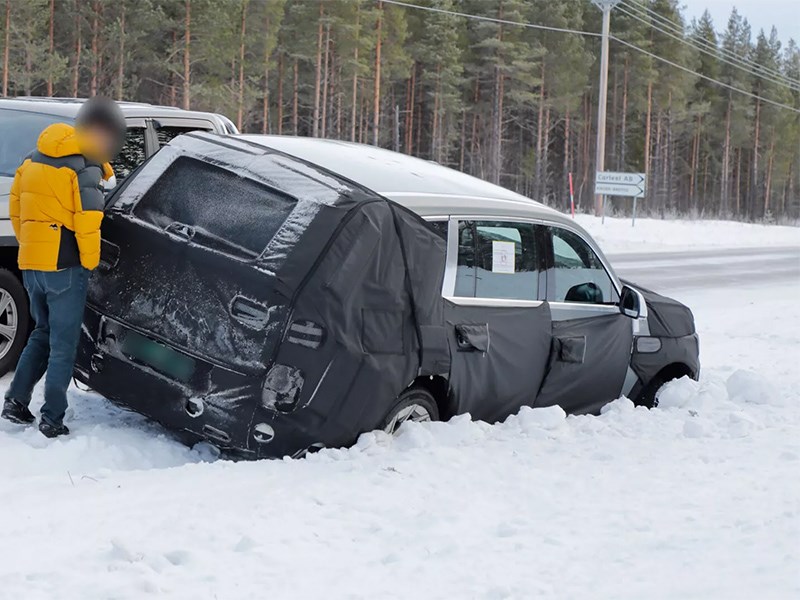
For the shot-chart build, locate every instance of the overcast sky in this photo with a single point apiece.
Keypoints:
(762, 14)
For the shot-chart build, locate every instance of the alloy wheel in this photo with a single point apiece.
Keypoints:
(8, 322)
(413, 412)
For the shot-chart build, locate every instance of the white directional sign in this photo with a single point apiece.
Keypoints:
(620, 184)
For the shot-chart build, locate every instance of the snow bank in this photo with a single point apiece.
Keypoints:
(689, 500)
(616, 235)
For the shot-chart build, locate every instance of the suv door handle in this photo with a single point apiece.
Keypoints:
(249, 312)
(472, 337)
(182, 231)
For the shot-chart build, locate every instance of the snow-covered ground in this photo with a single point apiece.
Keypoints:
(697, 499)
(618, 235)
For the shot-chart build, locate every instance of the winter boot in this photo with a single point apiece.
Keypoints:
(17, 413)
(52, 431)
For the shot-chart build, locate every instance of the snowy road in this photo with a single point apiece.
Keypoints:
(709, 268)
(698, 499)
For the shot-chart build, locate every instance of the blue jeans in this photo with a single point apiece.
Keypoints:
(57, 301)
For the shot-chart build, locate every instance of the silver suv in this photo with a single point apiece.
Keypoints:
(21, 121)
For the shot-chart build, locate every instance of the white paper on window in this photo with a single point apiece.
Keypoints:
(502, 257)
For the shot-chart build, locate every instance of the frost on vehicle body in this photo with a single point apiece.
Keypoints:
(277, 293)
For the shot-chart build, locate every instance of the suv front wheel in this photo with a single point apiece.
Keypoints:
(14, 320)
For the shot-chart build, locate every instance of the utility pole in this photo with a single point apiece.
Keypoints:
(600, 154)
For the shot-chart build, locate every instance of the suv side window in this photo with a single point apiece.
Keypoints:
(132, 154)
(166, 134)
(497, 259)
(579, 275)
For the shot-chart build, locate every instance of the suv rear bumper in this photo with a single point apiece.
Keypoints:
(217, 405)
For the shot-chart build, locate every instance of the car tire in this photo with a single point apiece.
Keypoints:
(414, 404)
(649, 395)
(14, 320)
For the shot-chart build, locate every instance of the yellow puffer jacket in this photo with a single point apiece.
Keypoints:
(56, 204)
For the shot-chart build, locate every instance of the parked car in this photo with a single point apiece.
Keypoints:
(21, 122)
(273, 295)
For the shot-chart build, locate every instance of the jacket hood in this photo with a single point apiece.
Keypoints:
(58, 140)
(61, 139)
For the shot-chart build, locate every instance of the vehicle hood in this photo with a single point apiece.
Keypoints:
(666, 317)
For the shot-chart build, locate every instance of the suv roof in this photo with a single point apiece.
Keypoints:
(426, 187)
(69, 107)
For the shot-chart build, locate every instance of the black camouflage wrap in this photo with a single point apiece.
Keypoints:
(673, 323)
(283, 308)
(340, 264)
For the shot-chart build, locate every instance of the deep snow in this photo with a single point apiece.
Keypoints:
(699, 498)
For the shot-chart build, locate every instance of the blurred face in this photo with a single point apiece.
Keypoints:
(97, 143)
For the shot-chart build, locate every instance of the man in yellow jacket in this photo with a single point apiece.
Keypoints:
(56, 207)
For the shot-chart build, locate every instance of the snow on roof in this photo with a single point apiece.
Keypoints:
(420, 185)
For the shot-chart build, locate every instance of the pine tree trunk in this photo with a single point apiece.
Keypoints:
(434, 154)
(354, 108)
(52, 45)
(187, 63)
(537, 184)
(587, 134)
(376, 97)
(280, 93)
(694, 170)
(6, 47)
(173, 90)
(339, 100)
(420, 119)
(463, 144)
(768, 183)
(496, 153)
(296, 93)
(318, 76)
(545, 156)
(738, 180)
(660, 203)
(409, 125)
(473, 144)
(265, 128)
(647, 134)
(242, 38)
(726, 163)
(121, 64)
(325, 81)
(95, 58)
(76, 66)
(756, 142)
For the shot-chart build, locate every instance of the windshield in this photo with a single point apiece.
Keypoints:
(19, 131)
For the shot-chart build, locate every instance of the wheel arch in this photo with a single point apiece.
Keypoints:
(438, 387)
(674, 370)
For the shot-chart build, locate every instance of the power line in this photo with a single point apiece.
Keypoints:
(723, 84)
(647, 12)
(490, 19)
(779, 81)
(591, 34)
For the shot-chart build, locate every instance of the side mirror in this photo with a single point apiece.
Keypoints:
(629, 303)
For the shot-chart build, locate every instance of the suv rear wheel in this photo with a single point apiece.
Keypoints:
(14, 320)
(414, 404)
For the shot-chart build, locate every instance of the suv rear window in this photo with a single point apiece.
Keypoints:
(215, 208)
(21, 130)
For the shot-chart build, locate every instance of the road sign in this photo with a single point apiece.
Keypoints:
(620, 184)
